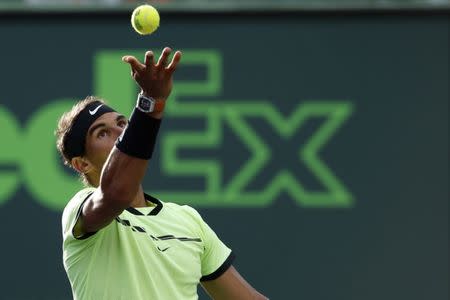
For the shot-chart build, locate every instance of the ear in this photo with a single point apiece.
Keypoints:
(81, 164)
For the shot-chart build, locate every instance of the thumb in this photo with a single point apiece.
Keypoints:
(134, 63)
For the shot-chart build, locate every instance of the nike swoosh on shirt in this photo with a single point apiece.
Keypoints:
(93, 112)
(162, 250)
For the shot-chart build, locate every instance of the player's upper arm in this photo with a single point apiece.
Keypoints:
(72, 212)
(119, 183)
(89, 211)
(97, 212)
(219, 278)
(231, 285)
(216, 256)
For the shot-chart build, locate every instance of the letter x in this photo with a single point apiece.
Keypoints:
(334, 115)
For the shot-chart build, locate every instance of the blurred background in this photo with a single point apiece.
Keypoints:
(223, 5)
(311, 135)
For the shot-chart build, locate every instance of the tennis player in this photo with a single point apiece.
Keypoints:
(118, 242)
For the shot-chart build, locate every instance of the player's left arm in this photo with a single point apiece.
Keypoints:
(231, 285)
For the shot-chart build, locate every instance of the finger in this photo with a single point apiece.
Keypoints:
(162, 62)
(149, 59)
(134, 63)
(174, 63)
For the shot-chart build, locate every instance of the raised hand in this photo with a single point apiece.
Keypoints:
(155, 80)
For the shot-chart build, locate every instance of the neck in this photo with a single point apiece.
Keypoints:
(139, 199)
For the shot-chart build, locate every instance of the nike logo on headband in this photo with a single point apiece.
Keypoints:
(93, 112)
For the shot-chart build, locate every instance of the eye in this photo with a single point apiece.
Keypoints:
(101, 134)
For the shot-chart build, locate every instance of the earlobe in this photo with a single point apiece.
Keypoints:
(81, 165)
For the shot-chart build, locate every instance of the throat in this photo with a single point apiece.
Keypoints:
(139, 200)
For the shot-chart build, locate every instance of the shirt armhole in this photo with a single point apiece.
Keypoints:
(217, 273)
(80, 209)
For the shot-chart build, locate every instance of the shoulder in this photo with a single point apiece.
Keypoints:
(191, 218)
(184, 210)
(186, 215)
(72, 207)
(77, 200)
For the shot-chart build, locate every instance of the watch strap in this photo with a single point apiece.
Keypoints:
(159, 106)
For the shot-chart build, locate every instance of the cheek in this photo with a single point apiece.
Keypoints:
(98, 150)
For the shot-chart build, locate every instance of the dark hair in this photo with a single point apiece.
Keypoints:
(65, 123)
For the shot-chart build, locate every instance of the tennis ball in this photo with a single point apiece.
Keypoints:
(145, 19)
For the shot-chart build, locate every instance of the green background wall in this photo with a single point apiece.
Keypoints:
(336, 127)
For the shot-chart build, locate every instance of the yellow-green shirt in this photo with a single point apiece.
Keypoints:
(160, 252)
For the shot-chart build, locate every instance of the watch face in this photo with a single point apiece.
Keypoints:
(145, 104)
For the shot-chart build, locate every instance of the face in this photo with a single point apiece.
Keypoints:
(101, 138)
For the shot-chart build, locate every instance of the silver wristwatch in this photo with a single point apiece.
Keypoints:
(145, 104)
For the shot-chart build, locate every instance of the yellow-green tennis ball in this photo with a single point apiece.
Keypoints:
(145, 19)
